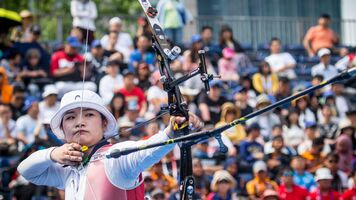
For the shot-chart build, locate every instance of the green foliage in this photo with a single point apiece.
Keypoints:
(48, 12)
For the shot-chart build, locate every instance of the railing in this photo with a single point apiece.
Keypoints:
(247, 30)
(291, 30)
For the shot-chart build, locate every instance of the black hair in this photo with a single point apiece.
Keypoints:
(275, 39)
(319, 77)
(284, 80)
(18, 89)
(333, 155)
(325, 16)
(317, 141)
(11, 53)
(206, 28)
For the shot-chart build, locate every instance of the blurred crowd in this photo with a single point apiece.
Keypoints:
(302, 150)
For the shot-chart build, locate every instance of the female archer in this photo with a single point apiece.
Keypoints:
(83, 121)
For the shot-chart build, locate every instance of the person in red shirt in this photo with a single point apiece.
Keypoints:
(288, 190)
(324, 191)
(133, 92)
(351, 193)
(62, 62)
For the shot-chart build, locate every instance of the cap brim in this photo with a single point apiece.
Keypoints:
(112, 126)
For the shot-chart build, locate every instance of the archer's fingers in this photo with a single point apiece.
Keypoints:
(76, 146)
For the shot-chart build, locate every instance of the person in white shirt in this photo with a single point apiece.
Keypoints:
(124, 43)
(324, 68)
(84, 13)
(49, 106)
(281, 63)
(83, 120)
(29, 127)
(156, 96)
(111, 82)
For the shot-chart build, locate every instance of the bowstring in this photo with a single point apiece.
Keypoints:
(83, 88)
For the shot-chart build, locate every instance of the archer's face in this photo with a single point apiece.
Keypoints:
(86, 129)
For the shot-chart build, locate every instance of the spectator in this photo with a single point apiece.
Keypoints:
(34, 43)
(311, 133)
(7, 131)
(324, 191)
(11, 62)
(339, 181)
(117, 105)
(222, 186)
(210, 104)
(320, 36)
(17, 102)
(158, 194)
(132, 92)
(324, 68)
(124, 41)
(156, 96)
(241, 98)
(305, 114)
(173, 16)
(131, 115)
(342, 103)
(5, 87)
(162, 181)
(327, 126)
(149, 186)
(277, 131)
(228, 66)
(226, 39)
(302, 177)
(202, 180)
(288, 190)
(29, 128)
(229, 112)
(22, 33)
(144, 28)
(265, 81)
(314, 156)
(350, 194)
(211, 48)
(250, 149)
(141, 54)
(111, 82)
(276, 160)
(346, 128)
(143, 76)
(32, 72)
(282, 63)
(293, 132)
(63, 67)
(191, 56)
(257, 186)
(97, 58)
(50, 105)
(343, 148)
(84, 13)
(231, 165)
(266, 120)
(284, 91)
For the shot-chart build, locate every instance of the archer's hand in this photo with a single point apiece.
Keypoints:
(194, 123)
(67, 154)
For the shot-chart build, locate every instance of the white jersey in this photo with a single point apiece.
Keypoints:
(123, 172)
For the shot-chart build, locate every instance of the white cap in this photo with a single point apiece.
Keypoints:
(324, 51)
(259, 166)
(48, 90)
(74, 99)
(115, 20)
(323, 174)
